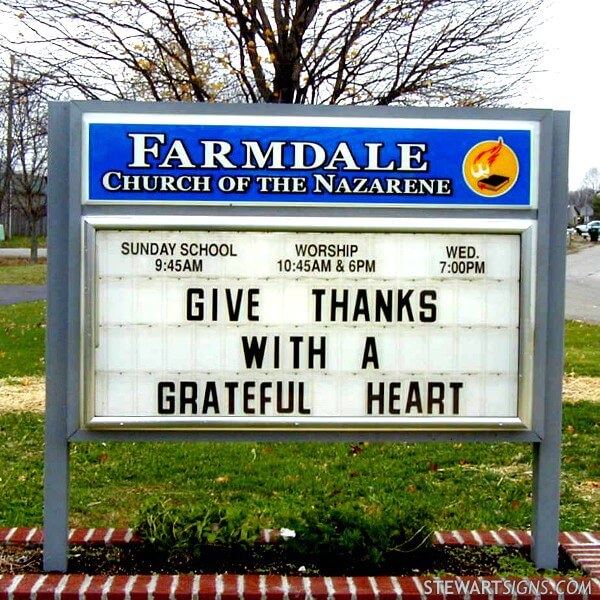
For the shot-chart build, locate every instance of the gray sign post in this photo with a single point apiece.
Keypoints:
(265, 232)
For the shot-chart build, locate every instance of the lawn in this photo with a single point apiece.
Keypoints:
(463, 485)
(17, 271)
(22, 339)
(582, 349)
(21, 241)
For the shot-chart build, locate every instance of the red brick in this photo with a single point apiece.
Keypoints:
(275, 588)
(432, 587)
(78, 536)
(229, 584)
(576, 588)
(594, 589)
(208, 586)
(386, 588)
(250, 586)
(523, 587)
(453, 538)
(23, 589)
(117, 588)
(342, 588)
(409, 588)
(19, 536)
(468, 538)
(185, 586)
(447, 538)
(164, 584)
(4, 533)
(71, 589)
(577, 537)
(296, 587)
(96, 587)
(522, 537)
(318, 587)
(51, 583)
(97, 537)
(124, 536)
(139, 591)
(488, 539)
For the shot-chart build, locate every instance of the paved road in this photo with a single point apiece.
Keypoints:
(583, 285)
(12, 294)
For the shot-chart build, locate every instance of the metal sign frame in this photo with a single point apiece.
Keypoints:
(524, 229)
(543, 252)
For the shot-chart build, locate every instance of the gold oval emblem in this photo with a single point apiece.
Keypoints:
(491, 168)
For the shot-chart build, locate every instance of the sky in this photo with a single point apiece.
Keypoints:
(571, 78)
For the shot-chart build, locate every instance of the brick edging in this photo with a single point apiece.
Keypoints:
(251, 587)
(33, 536)
(582, 547)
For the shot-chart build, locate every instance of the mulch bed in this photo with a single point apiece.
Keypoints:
(267, 559)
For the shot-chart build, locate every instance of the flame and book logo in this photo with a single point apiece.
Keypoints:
(491, 168)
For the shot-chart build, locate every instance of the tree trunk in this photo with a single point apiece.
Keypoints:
(33, 248)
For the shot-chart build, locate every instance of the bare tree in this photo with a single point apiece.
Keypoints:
(6, 150)
(434, 52)
(591, 180)
(581, 198)
(29, 152)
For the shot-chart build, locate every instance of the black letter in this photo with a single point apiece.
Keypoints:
(166, 403)
(455, 386)
(318, 294)
(370, 353)
(195, 308)
(435, 398)
(184, 398)
(253, 352)
(373, 397)
(252, 303)
(431, 316)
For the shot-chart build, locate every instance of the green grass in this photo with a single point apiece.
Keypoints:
(22, 241)
(23, 275)
(465, 485)
(582, 349)
(22, 339)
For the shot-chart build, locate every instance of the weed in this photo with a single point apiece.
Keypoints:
(186, 531)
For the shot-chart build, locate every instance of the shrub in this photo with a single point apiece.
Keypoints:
(346, 537)
(356, 537)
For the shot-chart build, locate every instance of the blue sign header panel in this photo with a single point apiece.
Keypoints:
(129, 160)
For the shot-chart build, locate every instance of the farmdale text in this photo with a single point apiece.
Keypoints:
(167, 165)
(262, 355)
